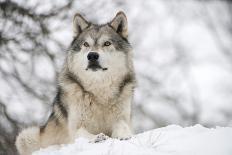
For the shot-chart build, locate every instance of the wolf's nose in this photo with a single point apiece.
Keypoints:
(92, 56)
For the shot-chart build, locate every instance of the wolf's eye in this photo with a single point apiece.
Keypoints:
(86, 44)
(107, 43)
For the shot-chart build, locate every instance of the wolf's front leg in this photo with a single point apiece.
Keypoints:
(121, 130)
(76, 130)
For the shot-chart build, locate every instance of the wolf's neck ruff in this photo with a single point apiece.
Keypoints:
(105, 88)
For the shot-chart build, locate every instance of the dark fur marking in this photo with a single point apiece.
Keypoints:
(79, 29)
(73, 41)
(120, 44)
(82, 30)
(73, 78)
(42, 128)
(52, 117)
(59, 103)
(120, 28)
(76, 44)
(125, 39)
(129, 78)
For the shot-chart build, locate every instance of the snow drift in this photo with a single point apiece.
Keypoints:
(170, 140)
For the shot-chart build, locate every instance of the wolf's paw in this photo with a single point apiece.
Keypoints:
(122, 135)
(123, 138)
(99, 138)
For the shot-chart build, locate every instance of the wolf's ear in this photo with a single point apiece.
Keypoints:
(119, 23)
(79, 24)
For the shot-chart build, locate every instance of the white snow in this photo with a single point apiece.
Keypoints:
(170, 140)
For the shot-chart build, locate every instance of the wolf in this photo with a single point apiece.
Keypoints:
(95, 88)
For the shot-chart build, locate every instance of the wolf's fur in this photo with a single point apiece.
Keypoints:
(89, 102)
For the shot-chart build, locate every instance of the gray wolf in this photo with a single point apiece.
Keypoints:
(95, 88)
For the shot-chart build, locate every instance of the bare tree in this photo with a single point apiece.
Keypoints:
(23, 30)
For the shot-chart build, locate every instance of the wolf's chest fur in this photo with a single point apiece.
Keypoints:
(105, 91)
(98, 107)
(99, 118)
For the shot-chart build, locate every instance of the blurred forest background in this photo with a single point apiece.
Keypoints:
(182, 57)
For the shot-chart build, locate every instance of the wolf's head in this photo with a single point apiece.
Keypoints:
(100, 50)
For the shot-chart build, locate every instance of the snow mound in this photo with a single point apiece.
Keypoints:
(170, 140)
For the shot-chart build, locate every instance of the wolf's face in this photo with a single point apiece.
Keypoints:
(99, 49)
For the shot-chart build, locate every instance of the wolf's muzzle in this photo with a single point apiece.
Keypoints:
(93, 56)
(93, 62)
